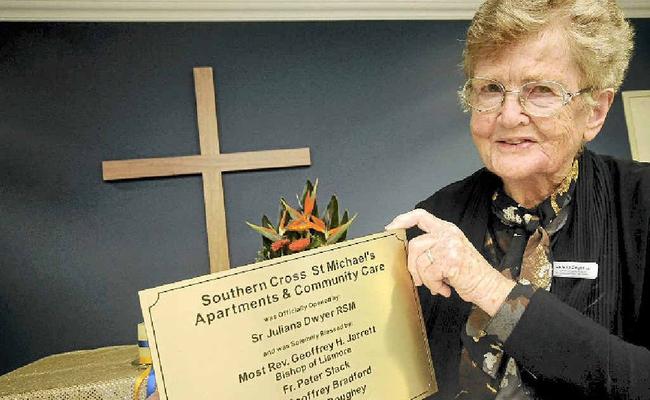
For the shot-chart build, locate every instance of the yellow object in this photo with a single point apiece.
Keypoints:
(144, 353)
(144, 358)
(100, 374)
(139, 380)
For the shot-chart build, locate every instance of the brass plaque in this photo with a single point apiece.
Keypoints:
(335, 323)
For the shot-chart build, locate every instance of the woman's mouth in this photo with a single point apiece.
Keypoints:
(514, 144)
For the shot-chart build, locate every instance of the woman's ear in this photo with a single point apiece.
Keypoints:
(598, 113)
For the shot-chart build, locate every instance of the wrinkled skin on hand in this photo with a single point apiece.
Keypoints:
(456, 263)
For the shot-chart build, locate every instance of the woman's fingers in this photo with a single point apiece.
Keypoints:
(415, 274)
(417, 260)
(424, 262)
(418, 217)
(442, 258)
(437, 286)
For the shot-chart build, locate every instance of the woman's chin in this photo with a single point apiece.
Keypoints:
(517, 168)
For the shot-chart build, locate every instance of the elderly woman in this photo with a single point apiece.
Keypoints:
(536, 265)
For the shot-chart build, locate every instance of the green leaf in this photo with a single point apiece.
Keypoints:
(265, 231)
(295, 214)
(266, 222)
(332, 216)
(314, 190)
(340, 233)
(344, 219)
(316, 241)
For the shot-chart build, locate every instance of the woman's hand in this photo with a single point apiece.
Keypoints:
(443, 258)
(154, 396)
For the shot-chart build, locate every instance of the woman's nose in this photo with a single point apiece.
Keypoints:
(512, 113)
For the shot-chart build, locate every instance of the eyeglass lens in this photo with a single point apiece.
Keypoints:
(537, 98)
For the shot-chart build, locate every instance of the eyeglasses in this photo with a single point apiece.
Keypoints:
(539, 99)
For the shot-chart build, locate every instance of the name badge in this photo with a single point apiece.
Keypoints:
(573, 269)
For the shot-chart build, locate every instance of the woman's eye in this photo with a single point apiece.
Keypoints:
(542, 89)
(491, 88)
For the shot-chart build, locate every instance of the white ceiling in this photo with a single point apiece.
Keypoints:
(260, 10)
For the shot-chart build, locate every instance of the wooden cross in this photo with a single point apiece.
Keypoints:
(210, 164)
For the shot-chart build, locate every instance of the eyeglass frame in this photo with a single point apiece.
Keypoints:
(567, 96)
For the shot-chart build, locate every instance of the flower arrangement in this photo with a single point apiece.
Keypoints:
(301, 229)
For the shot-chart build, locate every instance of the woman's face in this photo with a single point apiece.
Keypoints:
(519, 147)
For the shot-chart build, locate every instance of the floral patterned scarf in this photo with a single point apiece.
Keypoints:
(517, 243)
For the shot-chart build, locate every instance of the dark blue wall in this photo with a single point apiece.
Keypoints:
(375, 102)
